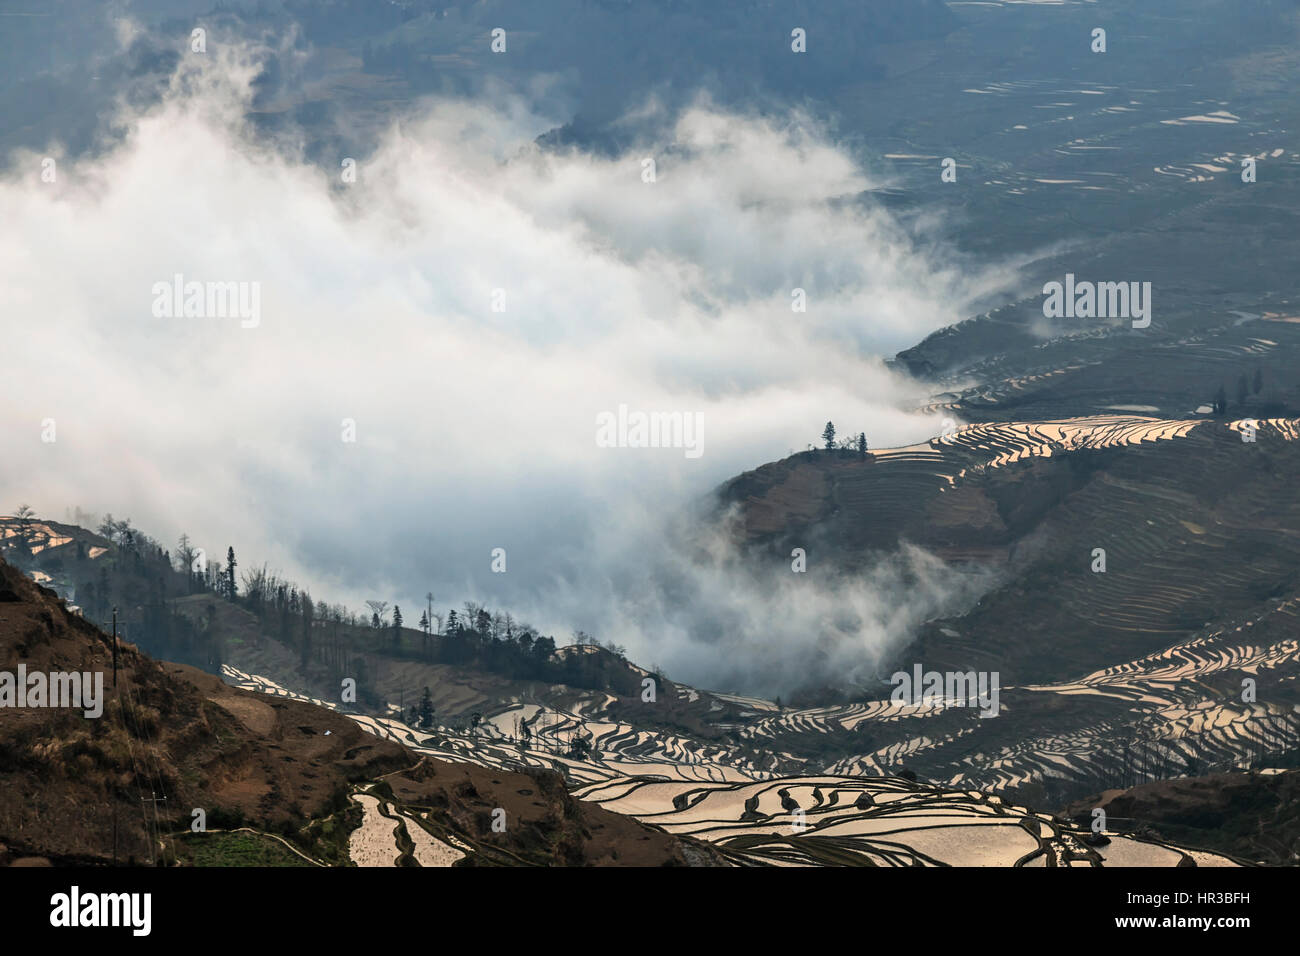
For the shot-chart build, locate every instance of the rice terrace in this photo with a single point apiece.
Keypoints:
(771, 436)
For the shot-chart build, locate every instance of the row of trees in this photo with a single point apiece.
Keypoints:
(144, 581)
(334, 636)
(1244, 391)
(134, 575)
(856, 443)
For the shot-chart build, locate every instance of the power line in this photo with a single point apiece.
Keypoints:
(135, 769)
(152, 770)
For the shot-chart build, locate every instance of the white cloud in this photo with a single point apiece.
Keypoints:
(475, 429)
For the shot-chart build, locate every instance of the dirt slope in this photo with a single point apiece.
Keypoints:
(75, 789)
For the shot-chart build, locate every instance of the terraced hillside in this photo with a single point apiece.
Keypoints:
(1099, 372)
(1109, 679)
(1121, 677)
(291, 771)
(1180, 658)
(1194, 522)
(1116, 675)
(1126, 676)
(753, 817)
(1173, 712)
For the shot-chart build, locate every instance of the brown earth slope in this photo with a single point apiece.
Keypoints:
(1195, 524)
(1254, 817)
(80, 790)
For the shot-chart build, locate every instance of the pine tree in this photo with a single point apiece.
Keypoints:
(308, 616)
(24, 514)
(828, 436)
(426, 710)
(862, 444)
(231, 588)
(397, 626)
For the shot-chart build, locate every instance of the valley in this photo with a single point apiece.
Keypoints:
(1038, 605)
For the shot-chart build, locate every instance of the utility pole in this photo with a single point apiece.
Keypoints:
(156, 836)
(115, 647)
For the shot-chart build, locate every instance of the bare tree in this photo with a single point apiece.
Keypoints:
(471, 613)
(378, 609)
(24, 514)
(259, 586)
(185, 554)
